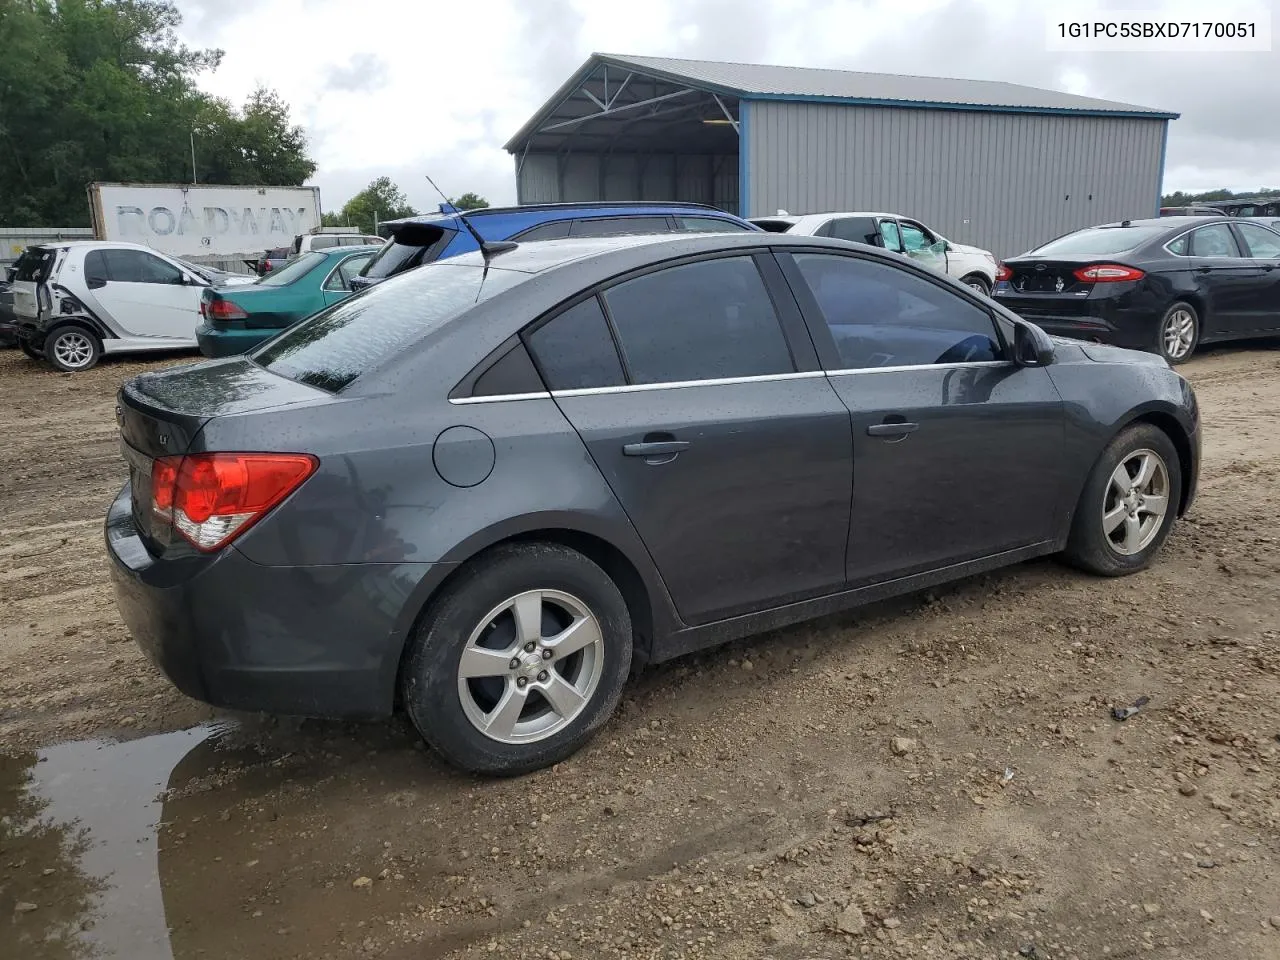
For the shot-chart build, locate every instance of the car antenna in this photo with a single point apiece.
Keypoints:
(487, 248)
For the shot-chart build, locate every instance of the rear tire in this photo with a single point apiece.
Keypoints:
(1178, 334)
(31, 352)
(494, 680)
(72, 349)
(978, 282)
(1128, 504)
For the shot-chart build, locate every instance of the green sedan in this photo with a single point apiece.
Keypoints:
(236, 319)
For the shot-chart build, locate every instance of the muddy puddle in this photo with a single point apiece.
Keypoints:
(216, 842)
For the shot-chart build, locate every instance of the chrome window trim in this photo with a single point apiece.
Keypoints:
(900, 368)
(680, 384)
(502, 397)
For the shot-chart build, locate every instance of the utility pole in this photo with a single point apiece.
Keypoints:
(193, 156)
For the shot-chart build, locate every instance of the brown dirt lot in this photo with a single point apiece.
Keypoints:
(746, 803)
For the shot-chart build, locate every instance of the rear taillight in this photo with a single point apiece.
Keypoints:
(1108, 273)
(212, 498)
(266, 266)
(223, 310)
(1003, 273)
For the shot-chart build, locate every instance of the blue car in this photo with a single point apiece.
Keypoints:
(422, 239)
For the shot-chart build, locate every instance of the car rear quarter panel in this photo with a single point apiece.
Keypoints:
(1102, 398)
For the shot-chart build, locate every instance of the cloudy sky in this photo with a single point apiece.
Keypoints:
(407, 87)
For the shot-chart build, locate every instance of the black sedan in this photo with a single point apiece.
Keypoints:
(1163, 285)
(484, 490)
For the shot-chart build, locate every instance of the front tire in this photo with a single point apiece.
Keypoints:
(520, 661)
(1179, 333)
(72, 349)
(1128, 504)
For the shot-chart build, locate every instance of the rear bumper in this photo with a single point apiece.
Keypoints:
(1113, 320)
(319, 641)
(217, 342)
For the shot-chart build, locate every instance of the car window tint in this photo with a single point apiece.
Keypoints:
(95, 267)
(138, 266)
(1214, 241)
(857, 229)
(1180, 247)
(619, 226)
(708, 225)
(881, 315)
(575, 349)
(1262, 243)
(698, 321)
(545, 231)
(332, 348)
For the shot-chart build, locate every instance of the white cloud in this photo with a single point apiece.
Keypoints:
(450, 82)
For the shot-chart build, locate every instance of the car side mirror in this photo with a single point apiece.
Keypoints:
(1031, 346)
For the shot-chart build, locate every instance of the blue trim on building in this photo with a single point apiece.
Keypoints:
(1164, 146)
(744, 158)
(971, 107)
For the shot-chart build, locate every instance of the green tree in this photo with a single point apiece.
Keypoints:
(1180, 199)
(470, 201)
(380, 200)
(103, 90)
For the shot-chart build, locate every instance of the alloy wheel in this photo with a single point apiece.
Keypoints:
(1136, 502)
(73, 349)
(531, 666)
(1179, 334)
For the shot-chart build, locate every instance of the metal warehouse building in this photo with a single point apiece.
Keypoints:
(995, 164)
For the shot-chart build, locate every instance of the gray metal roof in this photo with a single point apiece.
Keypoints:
(764, 80)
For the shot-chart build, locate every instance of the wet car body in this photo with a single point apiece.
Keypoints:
(451, 445)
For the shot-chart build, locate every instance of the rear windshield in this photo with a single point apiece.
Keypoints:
(1099, 240)
(410, 247)
(774, 226)
(294, 270)
(331, 348)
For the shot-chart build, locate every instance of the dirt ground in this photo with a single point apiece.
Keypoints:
(936, 777)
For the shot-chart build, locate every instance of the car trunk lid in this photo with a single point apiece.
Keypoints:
(162, 414)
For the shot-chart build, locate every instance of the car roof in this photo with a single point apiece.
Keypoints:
(1166, 222)
(351, 248)
(562, 211)
(122, 244)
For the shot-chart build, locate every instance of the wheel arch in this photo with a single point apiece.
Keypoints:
(643, 596)
(89, 323)
(1179, 436)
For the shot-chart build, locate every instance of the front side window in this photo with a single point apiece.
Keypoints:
(890, 235)
(138, 266)
(880, 315)
(698, 321)
(575, 350)
(707, 225)
(915, 237)
(1262, 243)
(619, 226)
(1214, 242)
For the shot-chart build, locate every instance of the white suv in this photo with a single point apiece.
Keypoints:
(74, 301)
(970, 265)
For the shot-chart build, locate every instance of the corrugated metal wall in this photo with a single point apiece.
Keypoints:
(579, 177)
(1003, 181)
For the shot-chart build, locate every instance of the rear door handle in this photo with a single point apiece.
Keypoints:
(891, 429)
(654, 448)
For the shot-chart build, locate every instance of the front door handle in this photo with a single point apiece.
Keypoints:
(654, 448)
(1204, 269)
(891, 429)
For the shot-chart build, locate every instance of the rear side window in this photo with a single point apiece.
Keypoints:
(1180, 247)
(708, 225)
(332, 348)
(619, 226)
(554, 230)
(323, 243)
(880, 315)
(575, 349)
(95, 268)
(698, 321)
(1214, 242)
(857, 229)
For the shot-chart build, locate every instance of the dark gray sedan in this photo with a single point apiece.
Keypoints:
(485, 491)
